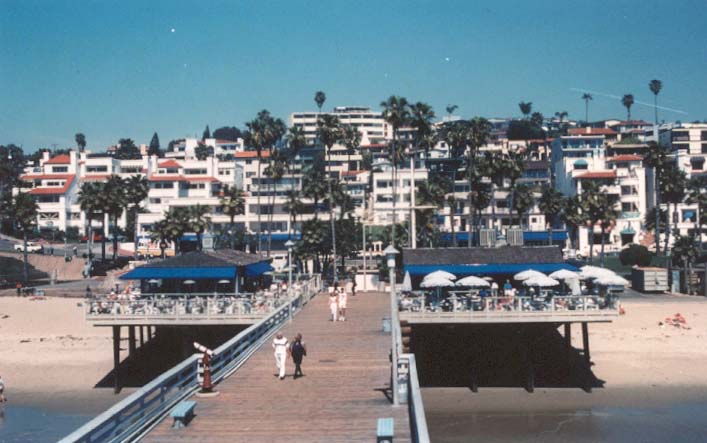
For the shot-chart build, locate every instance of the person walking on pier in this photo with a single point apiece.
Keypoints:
(334, 304)
(298, 350)
(281, 347)
(342, 303)
(2, 391)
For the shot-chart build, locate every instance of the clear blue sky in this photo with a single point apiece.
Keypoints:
(116, 69)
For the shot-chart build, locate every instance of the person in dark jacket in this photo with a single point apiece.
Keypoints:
(298, 350)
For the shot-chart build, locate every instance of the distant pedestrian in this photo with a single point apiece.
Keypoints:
(2, 390)
(51, 250)
(18, 286)
(281, 348)
(507, 287)
(334, 305)
(353, 288)
(88, 292)
(342, 304)
(298, 350)
(76, 251)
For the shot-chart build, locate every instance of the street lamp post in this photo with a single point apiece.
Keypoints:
(289, 244)
(390, 253)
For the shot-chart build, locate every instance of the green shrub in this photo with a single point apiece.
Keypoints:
(635, 255)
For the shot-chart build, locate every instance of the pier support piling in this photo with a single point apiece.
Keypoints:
(142, 337)
(131, 341)
(530, 357)
(116, 359)
(585, 342)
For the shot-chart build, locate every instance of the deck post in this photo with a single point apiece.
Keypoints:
(568, 340)
(474, 376)
(142, 336)
(585, 342)
(131, 341)
(116, 358)
(530, 357)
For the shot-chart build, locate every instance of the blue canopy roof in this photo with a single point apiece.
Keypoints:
(194, 273)
(487, 269)
(542, 235)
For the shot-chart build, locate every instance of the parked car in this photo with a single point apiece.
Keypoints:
(31, 247)
(96, 237)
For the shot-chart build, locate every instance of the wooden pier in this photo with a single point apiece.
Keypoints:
(338, 400)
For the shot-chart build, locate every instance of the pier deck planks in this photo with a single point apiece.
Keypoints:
(335, 401)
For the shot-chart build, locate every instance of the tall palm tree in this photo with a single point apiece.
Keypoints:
(550, 204)
(161, 234)
(478, 131)
(523, 201)
(136, 191)
(330, 133)
(296, 141)
(450, 110)
(673, 185)
(177, 221)
(607, 214)
(275, 172)
(697, 196)
(586, 97)
(352, 142)
(319, 99)
(512, 169)
(24, 210)
(89, 201)
(232, 201)
(627, 101)
(199, 220)
(655, 86)
(314, 185)
(591, 201)
(264, 132)
(117, 202)
(294, 207)
(397, 114)
(573, 209)
(526, 108)
(657, 158)
(480, 194)
(80, 141)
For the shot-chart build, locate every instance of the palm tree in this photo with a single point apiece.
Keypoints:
(296, 141)
(80, 141)
(478, 131)
(117, 202)
(561, 115)
(525, 108)
(550, 204)
(89, 202)
(294, 207)
(199, 221)
(655, 86)
(329, 133)
(451, 201)
(512, 168)
(352, 142)
(586, 97)
(177, 221)
(480, 194)
(697, 196)
(161, 234)
(397, 114)
(456, 134)
(684, 254)
(573, 209)
(657, 158)
(275, 171)
(136, 191)
(24, 210)
(450, 110)
(592, 205)
(314, 185)
(264, 131)
(627, 101)
(607, 214)
(493, 166)
(672, 187)
(523, 201)
(319, 99)
(232, 201)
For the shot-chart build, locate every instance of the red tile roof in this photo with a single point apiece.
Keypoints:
(226, 142)
(54, 190)
(633, 122)
(625, 158)
(251, 154)
(598, 174)
(95, 177)
(591, 131)
(169, 164)
(180, 178)
(29, 177)
(62, 159)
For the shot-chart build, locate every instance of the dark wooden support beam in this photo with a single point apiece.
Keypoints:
(585, 342)
(142, 336)
(116, 358)
(131, 341)
(530, 358)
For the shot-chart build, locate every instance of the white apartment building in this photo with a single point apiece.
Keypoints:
(369, 123)
(187, 147)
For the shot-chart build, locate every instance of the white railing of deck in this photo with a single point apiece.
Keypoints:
(130, 418)
(416, 408)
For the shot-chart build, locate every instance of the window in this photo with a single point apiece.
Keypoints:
(162, 185)
(224, 172)
(56, 169)
(131, 169)
(195, 171)
(102, 168)
(75, 216)
(697, 163)
(704, 148)
(627, 190)
(155, 201)
(55, 184)
(47, 199)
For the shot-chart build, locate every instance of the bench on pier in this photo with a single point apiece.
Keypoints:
(182, 413)
(385, 431)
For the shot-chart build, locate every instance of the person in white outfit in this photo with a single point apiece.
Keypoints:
(281, 347)
(342, 304)
(334, 305)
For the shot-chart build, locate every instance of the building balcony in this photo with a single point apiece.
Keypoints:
(625, 215)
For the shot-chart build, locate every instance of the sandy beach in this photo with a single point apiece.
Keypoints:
(51, 357)
(648, 372)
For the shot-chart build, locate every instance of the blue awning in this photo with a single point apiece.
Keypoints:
(181, 272)
(257, 269)
(542, 235)
(282, 236)
(487, 269)
(462, 236)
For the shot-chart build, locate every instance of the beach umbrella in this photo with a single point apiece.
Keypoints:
(575, 287)
(436, 282)
(407, 283)
(153, 281)
(188, 282)
(473, 282)
(542, 281)
(441, 274)
(224, 282)
(611, 280)
(564, 274)
(589, 272)
(487, 278)
(524, 275)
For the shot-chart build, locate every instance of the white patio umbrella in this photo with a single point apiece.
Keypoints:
(542, 281)
(441, 274)
(589, 272)
(564, 274)
(407, 283)
(188, 282)
(473, 282)
(524, 275)
(436, 282)
(611, 280)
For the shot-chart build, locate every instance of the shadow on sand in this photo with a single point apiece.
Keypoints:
(499, 356)
(167, 348)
